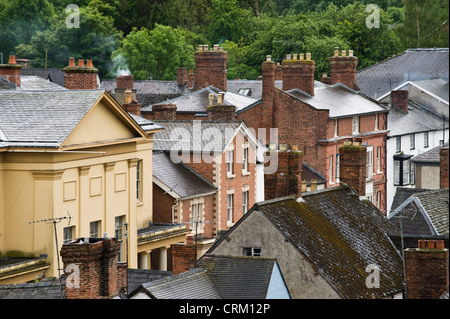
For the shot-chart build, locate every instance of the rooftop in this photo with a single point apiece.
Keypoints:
(411, 65)
(431, 156)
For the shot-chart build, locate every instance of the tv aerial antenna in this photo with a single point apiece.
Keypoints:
(55, 221)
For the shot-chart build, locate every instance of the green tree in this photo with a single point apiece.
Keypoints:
(157, 53)
(20, 20)
(95, 39)
(425, 24)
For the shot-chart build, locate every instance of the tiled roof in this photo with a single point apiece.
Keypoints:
(239, 277)
(403, 193)
(340, 235)
(6, 85)
(47, 288)
(192, 284)
(147, 87)
(418, 119)
(310, 173)
(196, 102)
(42, 118)
(55, 75)
(180, 178)
(411, 65)
(340, 100)
(425, 213)
(180, 135)
(431, 156)
(136, 277)
(30, 82)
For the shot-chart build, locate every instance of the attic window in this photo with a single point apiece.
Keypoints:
(252, 251)
(247, 92)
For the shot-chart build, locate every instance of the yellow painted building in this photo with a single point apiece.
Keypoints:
(74, 160)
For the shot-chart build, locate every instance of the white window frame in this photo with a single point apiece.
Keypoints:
(139, 181)
(245, 166)
(426, 140)
(412, 141)
(376, 121)
(338, 167)
(355, 125)
(119, 230)
(94, 229)
(245, 198)
(252, 251)
(379, 171)
(397, 172)
(336, 123)
(230, 207)
(229, 158)
(369, 163)
(330, 170)
(197, 215)
(69, 234)
(398, 144)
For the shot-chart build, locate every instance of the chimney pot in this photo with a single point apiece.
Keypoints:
(205, 47)
(220, 97)
(336, 51)
(80, 62)
(71, 62)
(216, 47)
(431, 244)
(211, 98)
(288, 56)
(12, 59)
(268, 58)
(343, 52)
(89, 63)
(200, 47)
(422, 243)
(308, 56)
(294, 56)
(128, 96)
(350, 53)
(440, 244)
(302, 56)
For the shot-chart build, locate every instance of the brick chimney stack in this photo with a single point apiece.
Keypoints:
(298, 73)
(343, 68)
(287, 180)
(268, 70)
(124, 83)
(80, 77)
(130, 105)
(220, 111)
(211, 67)
(183, 255)
(353, 157)
(92, 268)
(427, 271)
(444, 168)
(164, 112)
(11, 70)
(182, 76)
(399, 99)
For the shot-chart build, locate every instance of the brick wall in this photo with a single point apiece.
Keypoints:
(164, 112)
(183, 256)
(343, 69)
(399, 99)
(80, 77)
(97, 263)
(299, 74)
(353, 166)
(427, 270)
(11, 71)
(444, 167)
(211, 68)
(162, 206)
(288, 178)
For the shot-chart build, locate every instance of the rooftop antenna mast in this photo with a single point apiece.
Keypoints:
(55, 221)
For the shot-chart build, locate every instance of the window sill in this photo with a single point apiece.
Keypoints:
(245, 173)
(229, 176)
(139, 203)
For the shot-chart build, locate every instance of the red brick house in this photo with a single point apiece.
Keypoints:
(318, 117)
(220, 156)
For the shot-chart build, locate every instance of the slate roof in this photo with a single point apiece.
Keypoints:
(42, 118)
(411, 65)
(6, 85)
(239, 277)
(403, 193)
(418, 119)
(180, 135)
(431, 156)
(136, 277)
(340, 100)
(145, 124)
(147, 86)
(47, 288)
(340, 235)
(255, 87)
(437, 87)
(216, 277)
(196, 102)
(192, 284)
(55, 75)
(309, 173)
(29, 82)
(180, 178)
(426, 213)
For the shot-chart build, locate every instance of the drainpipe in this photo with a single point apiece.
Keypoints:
(173, 214)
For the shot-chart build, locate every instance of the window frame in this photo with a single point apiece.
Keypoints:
(355, 125)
